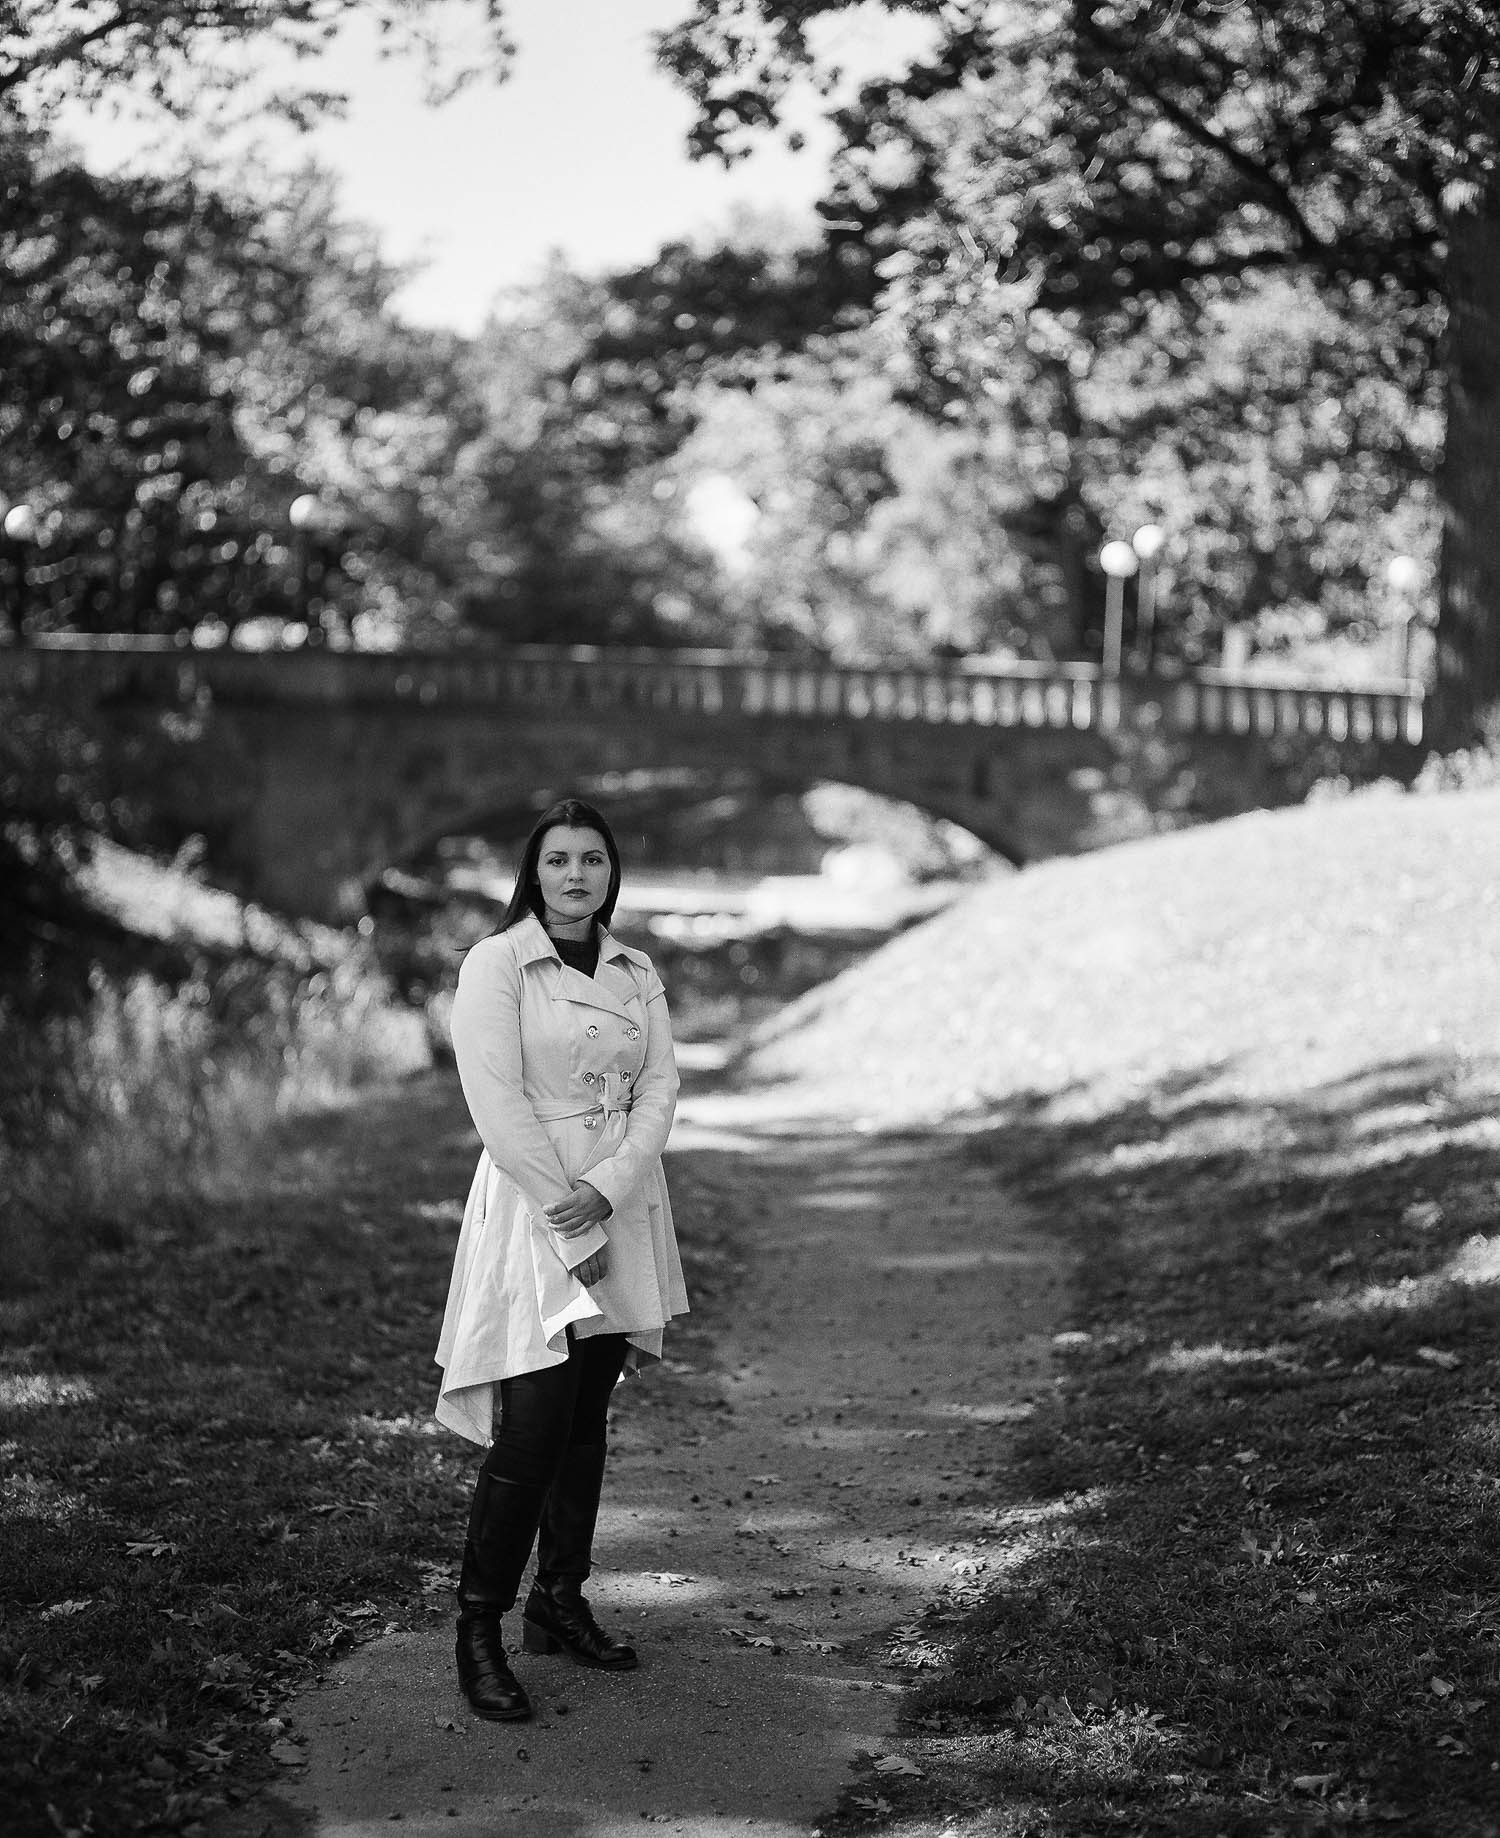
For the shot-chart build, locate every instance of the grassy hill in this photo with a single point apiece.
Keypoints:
(1243, 1572)
(1276, 953)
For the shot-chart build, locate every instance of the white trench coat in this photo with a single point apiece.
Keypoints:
(567, 1077)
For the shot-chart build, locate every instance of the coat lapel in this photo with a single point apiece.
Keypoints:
(609, 989)
(601, 991)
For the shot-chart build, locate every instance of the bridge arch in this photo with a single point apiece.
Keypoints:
(672, 773)
(641, 806)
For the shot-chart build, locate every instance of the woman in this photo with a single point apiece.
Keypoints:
(567, 1269)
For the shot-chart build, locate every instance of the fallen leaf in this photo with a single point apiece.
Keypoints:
(1313, 1783)
(742, 1637)
(871, 1802)
(288, 1754)
(1440, 1688)
(672, 1578)
(897, 1764)
(1439, 1356)
(1422, 1216)
(765, 1480)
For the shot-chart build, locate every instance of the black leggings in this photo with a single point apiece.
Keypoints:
(543, 1413)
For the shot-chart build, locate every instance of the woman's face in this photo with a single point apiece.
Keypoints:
(572, 871)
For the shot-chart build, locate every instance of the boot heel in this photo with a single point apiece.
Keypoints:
(536, 1639)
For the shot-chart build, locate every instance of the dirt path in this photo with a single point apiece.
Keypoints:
(794, 1485)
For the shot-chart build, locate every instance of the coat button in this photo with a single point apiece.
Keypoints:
(626, 1077)
(591, 1123)
(593, 1031)
(588, 1078)
(632, 1033)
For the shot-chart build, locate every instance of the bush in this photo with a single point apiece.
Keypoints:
(1468, 768)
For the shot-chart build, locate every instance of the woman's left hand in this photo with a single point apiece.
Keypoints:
(584, 1207)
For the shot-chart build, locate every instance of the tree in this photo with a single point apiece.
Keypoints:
(182, 356)
(1058, 168)
(176, 366)
(107, 399)
(570, 510)
(878, 531)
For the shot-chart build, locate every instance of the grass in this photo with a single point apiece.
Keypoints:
(151, 1095)
(1248, 1555)
(218, 1465)
(208, 1443)
(1241, 1572)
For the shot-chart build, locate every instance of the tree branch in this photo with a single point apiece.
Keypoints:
(1245, 164)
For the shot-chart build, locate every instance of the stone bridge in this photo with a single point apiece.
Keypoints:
(309, 772)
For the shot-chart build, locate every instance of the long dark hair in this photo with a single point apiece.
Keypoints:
(572, 814)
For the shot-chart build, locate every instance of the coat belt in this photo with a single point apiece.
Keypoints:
(604, 1107)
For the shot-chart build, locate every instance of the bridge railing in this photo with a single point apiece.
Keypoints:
(726, 685)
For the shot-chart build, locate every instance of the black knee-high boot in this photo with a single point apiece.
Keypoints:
(556, 1617)
(502, 1528)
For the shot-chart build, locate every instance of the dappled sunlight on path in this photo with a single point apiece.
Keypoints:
(788, 1493)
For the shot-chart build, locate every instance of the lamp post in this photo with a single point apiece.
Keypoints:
(1119, 561)
(1404, 577)
(20, 528)
(1146, 543)
(305, 514)
(319, 529)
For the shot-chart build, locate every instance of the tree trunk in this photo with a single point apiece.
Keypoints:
(1467, 700)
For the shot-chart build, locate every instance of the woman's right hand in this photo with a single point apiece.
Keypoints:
(592, 1269)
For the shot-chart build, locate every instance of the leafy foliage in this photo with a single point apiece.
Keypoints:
(173, 53)
(1045, 181)
(590, 390)
(204, 360)
(875, 532)
(1116, 152)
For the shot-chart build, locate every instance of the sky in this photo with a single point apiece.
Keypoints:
(581, 149)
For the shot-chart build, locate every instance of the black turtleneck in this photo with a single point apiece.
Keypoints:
(579, 953)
